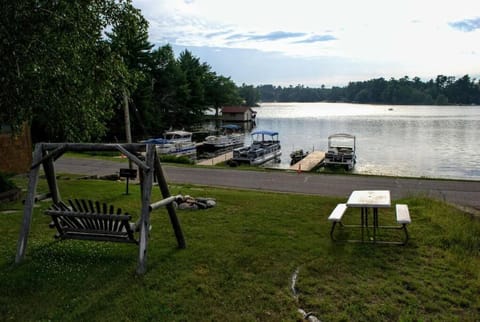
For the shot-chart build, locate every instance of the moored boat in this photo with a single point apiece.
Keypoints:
(341, 151)
(265, 147)
(230, 137)
(176, 143)
(297, 155)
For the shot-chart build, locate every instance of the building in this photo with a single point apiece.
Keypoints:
(238, 114)
(15, 150)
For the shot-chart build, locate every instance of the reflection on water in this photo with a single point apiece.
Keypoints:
(428, 141)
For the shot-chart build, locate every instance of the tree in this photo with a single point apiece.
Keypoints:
(58, 72)
(184, 89)
(220, 91)
(171, 92)
(249, 94)
(196, 74)
(129, 40)
(462, 91)
(363, 96)
(268, 93)
(442, 90)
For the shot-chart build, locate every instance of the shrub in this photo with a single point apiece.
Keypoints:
(175, 159)
(5, 183)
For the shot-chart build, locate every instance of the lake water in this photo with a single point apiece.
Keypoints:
(420, 141)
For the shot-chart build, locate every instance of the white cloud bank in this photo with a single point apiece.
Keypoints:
(316, 42)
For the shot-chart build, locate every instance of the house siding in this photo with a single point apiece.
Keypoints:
(15, 151)
(240, 116)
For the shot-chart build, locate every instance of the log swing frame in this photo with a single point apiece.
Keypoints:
(46, 153)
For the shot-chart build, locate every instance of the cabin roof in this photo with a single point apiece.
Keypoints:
(235, 109)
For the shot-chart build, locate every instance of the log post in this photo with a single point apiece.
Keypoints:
(51, 179)
(29, 202)
(146, 177)
(162, 184)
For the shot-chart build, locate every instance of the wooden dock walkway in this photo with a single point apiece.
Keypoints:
(218, 159)
(312, 160)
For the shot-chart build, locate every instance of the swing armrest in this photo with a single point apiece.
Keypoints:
(163, 202)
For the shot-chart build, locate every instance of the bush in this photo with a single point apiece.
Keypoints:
(5, 183)
(175, 159)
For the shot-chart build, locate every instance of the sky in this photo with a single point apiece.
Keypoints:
(318, 42)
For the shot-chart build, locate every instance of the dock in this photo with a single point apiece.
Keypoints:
(312, 160)
(218, 159)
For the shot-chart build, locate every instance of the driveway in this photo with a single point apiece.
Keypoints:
(462, 193)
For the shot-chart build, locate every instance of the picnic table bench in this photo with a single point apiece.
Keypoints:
(336, 217)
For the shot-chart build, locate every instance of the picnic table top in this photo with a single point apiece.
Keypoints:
(369, 198)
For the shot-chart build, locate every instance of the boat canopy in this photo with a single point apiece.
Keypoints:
(231, 127)
(178, 135)
(342, 135)
(341, 140)
(180, 132)
(157, 141)
(264, 132)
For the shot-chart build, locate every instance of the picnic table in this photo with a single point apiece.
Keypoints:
(369, 201)
(366, 200)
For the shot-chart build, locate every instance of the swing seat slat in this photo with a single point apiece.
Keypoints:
(81, 220)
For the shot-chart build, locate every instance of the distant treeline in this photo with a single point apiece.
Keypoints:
(442, 90)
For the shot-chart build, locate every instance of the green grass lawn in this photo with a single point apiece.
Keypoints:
(239, 262)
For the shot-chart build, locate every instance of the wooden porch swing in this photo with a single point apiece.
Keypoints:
(92, 220)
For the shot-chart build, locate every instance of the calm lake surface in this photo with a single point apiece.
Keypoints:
(420, 141)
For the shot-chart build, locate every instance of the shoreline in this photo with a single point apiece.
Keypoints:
(462, 193)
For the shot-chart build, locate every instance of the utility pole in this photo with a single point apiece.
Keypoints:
(128, 131)
(126, 112)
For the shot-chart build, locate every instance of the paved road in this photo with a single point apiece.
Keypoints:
(463, 193)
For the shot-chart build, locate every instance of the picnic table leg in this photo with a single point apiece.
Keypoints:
(406, 234)
(332, 230)
(366, 217)
(362, 221)
(366, 222)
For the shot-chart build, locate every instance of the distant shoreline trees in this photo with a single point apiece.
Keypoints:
(444, 90)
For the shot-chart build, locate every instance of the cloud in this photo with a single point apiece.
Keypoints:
(272, 36)
(281, 41)
(466, 25)
(316, 38)
(237, 36)
(219, 33)
(253, 66)
(276, 35)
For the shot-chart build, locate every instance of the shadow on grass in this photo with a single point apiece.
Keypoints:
(238, 263)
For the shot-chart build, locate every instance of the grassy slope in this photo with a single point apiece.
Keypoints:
(238, 264)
